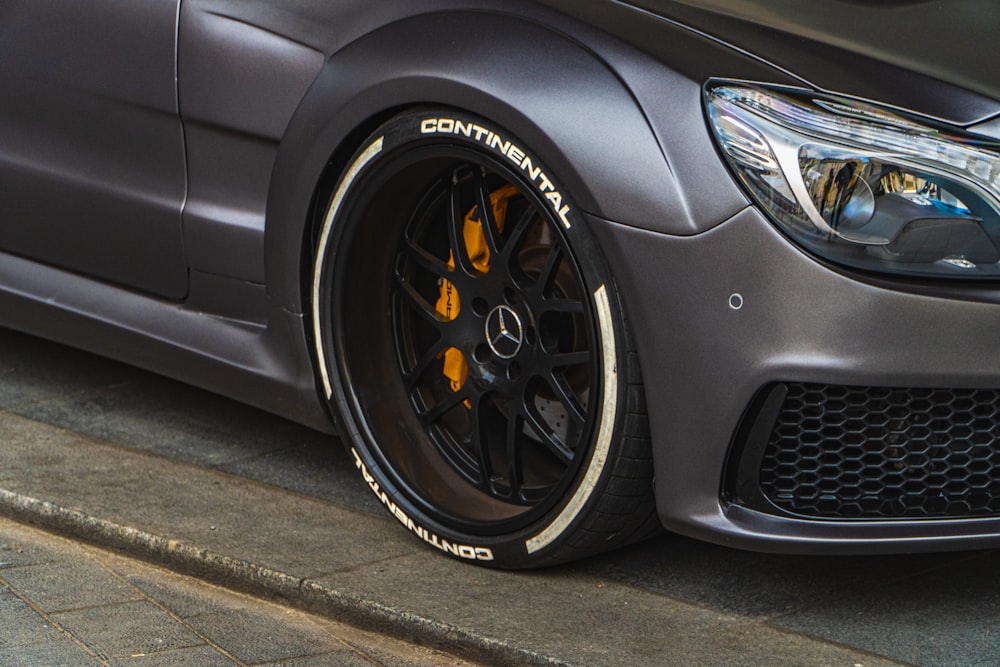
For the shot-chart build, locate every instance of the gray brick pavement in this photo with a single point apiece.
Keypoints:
(66, 604)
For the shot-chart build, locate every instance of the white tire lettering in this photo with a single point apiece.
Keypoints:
(496, 142)
(455, 549)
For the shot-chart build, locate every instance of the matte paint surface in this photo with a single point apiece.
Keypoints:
(931, 56)
(275, 96)
(91, 155)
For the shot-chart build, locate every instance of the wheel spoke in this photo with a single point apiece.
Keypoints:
(480, 435)
(419, 304)
(426, 359)
(487, 219)
(547, 276)
(572, 306)
(515, 431)
(427, 261)
(564, 359)
(517, 233)
(566, 395)
(445, 405)
(454, 451)
(534, 494)
(456, 231)
(509, 257)
(549, 438)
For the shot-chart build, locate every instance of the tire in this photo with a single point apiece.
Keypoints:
(471, 340)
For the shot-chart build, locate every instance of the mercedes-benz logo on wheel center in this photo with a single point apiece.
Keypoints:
(504, 333)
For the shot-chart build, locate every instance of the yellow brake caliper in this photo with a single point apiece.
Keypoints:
(456, 367)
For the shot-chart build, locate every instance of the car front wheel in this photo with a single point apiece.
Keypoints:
(470, 338)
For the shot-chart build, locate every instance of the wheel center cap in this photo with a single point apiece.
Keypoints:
(504, 332)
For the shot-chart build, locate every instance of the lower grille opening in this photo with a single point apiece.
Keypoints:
(840, 452)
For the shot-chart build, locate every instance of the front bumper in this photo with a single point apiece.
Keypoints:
(720, 315)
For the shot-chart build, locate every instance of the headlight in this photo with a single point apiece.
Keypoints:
(862, 186)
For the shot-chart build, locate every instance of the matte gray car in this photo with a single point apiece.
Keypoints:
(558, 273)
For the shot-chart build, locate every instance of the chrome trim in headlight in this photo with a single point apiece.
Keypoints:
(861, 185)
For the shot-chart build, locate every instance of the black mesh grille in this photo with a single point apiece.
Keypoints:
(881, 453)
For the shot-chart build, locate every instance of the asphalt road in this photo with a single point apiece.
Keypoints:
(932, 609)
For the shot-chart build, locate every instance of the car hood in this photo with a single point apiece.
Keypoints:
(931, 56)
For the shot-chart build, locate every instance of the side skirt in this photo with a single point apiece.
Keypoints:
(265, 364)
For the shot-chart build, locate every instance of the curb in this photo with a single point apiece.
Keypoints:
(261, 581)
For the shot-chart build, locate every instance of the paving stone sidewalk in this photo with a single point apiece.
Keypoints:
(121, 459)
(65, 604)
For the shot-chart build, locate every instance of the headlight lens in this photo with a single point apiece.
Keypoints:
(862, 186)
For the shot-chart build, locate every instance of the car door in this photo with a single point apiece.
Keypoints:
(92, 173)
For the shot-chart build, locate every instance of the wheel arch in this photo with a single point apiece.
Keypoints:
(522, 75)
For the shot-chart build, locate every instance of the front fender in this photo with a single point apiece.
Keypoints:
(557, 96)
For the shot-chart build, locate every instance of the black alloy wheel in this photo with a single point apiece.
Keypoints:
(470, 338)
(515, 327)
